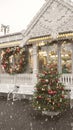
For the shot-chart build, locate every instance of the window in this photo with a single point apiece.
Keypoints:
(66, 53)
(47, 54)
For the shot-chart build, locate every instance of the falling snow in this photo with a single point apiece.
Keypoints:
(20, 115)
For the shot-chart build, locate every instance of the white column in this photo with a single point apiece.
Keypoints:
(0, 62)
(35, 62)
(47, 50)
(59, 58)
(72, 57)
(0, 66)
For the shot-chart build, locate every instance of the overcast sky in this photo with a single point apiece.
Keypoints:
(18, 13)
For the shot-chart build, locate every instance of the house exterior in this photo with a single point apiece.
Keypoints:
(49, 38)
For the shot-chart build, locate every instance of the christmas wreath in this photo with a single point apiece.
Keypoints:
(14, 60)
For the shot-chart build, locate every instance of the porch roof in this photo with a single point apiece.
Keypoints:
(62, 36)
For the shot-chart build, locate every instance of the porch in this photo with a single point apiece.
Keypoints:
(41, 51)
(26, 83)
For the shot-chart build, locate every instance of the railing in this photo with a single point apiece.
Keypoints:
(28, 81)
(67, 80)
(17, 79)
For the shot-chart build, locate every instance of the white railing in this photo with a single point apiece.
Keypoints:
(28, 81)
(17, 79)
(67, 80)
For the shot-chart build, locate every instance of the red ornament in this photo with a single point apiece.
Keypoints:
(38, 89)
(62, 96)
(42, 80)
(39, 97)
(45, 72)
(58, 104)
(55, 92)
(21, 62)
(51, 92)
(4, 65)
(62, 88)
(57, 80)
(8, 50)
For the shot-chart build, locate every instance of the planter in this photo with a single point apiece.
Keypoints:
(50, 113)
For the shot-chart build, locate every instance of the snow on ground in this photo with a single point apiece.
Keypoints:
(20, 115)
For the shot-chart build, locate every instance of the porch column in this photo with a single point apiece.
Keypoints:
(0, 62)
(59, 58)
(35, 62)
(72, 57)
(47, 50)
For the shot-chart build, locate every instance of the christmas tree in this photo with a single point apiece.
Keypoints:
(50, 93)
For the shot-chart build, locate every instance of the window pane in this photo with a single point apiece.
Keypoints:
(53, 58)
(47, 54)
(66, 53)
(42, 57)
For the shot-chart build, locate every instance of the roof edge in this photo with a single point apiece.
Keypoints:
(36, 18)
(40, 13)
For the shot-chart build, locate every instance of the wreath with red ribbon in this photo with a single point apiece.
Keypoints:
(14, 60)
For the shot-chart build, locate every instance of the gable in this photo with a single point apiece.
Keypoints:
(57, 17)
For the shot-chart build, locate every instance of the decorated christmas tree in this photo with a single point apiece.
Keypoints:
(50, 93)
